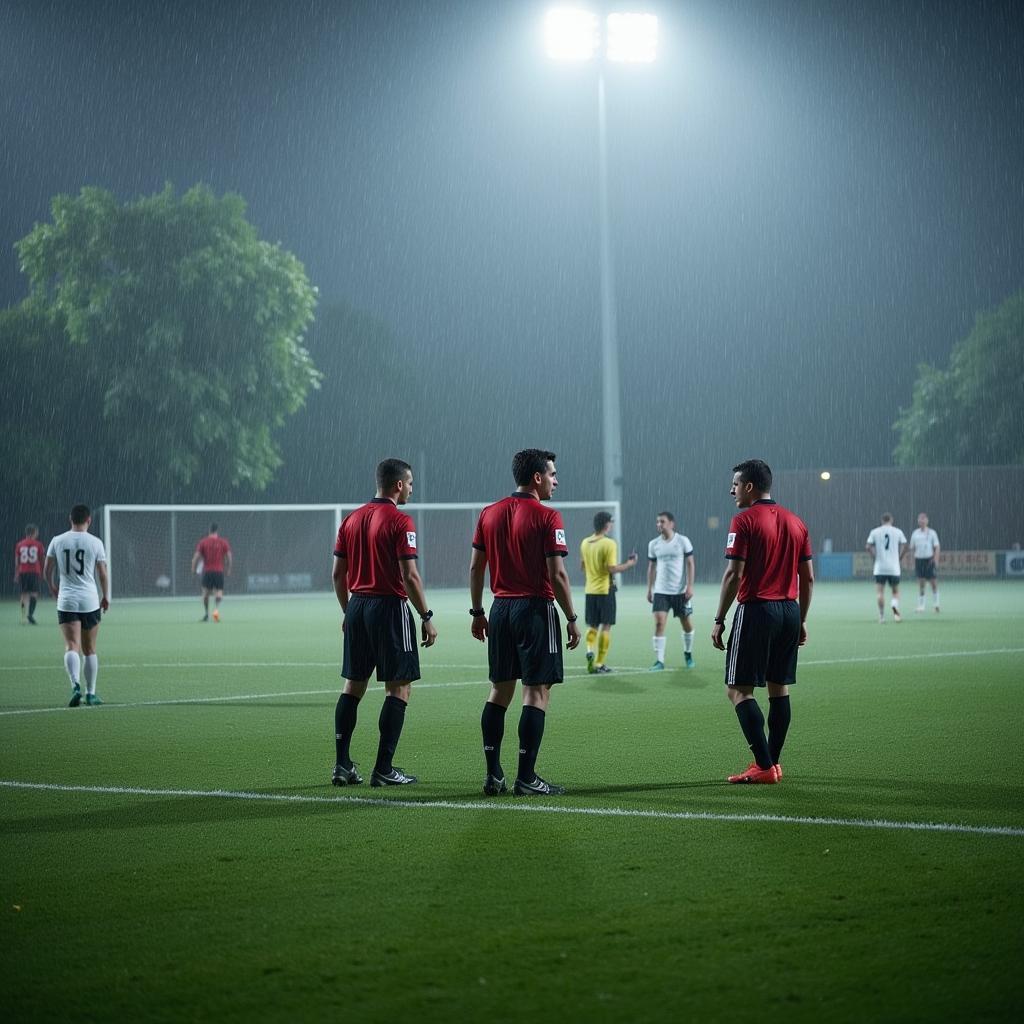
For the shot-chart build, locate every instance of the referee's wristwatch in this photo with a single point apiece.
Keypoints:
(573, 619)
(428, 616)
(477, 612)
(719, 622)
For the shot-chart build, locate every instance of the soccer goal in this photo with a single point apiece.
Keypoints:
(282, 549)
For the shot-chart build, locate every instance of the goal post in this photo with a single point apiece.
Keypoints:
(287, 549)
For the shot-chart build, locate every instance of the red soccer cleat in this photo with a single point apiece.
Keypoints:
(759, 776)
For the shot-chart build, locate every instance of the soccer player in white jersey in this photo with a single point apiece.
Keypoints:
(886, 544)
(925, 544)
(670, 572)
(79, 560)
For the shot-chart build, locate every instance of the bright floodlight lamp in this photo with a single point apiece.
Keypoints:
(571, 34)
(826, 475)
(632, 38)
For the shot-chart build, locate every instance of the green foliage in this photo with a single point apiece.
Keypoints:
(973, 412)
(184, 332)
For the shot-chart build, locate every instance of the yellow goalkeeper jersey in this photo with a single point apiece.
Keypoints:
(597, 553)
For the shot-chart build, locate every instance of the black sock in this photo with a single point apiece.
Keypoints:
(779, 716)
(344, 725)
(31, 607)
(392, 718)
(752, 724)
(531, 732)
(492, 725)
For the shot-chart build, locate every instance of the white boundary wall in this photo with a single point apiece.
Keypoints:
(339, 510)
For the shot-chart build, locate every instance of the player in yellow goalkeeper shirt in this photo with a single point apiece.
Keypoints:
(598, 553)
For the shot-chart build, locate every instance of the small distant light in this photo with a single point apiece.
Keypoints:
(632, 38)
(826, 475)
(571, 33)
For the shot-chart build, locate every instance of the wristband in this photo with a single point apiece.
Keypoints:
(719, 622)
(477, 612)
(573, 619)
(428, 616)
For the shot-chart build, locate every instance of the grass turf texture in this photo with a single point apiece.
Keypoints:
(174, 905)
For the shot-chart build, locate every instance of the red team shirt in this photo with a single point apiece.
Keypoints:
(212, 551)
(373, 540)
(28, 557)
(518, 534)
(773, 542)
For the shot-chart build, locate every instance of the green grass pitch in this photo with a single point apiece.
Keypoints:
(186, 858)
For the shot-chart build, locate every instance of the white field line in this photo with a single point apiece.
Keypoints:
(418, 686)
(518, 807)
(569, 671)
(258, 696)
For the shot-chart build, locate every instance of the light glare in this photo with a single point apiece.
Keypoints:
(826, 475)
(632, 38)
(571, 34)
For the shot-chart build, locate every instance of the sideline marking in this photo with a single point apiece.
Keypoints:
(621, 671)
(509, 806)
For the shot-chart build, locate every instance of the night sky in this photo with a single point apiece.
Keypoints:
(807, 200)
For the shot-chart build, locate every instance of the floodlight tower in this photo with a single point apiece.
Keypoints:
(576, 34)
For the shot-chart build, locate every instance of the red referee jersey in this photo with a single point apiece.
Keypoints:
(772, 541)
(212, 551)
(373, 540)
(518, 534)
(28, 556)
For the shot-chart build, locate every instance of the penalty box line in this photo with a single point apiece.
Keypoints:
(512, 806)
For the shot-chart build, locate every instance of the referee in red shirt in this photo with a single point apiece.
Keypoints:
(769, 553)
(374, 574)
(524, 544)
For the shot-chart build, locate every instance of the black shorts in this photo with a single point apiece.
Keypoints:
(524, 641)
(763, 644)
(600, 610)
(380, 634)
(925, 568)
(893, 581)
(29, 582)
(213, 580)
(674, 603)
(89, 620)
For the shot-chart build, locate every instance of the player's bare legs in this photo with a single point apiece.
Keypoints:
(218, 596)
(687, 625)
(206, 605)
(90, 663)
(72, 633)
(659, 639)
(880, 599)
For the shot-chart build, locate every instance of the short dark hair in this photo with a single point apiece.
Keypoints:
(390, 471)
(756, 472)
(530, 461)
(80, 514)
(31, 530)
(668, 515)
(886, 517)
(601, 520)
(213, 527)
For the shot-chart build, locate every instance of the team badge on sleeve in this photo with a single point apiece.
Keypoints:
(730, 540)
(410, 538)
(560, 537)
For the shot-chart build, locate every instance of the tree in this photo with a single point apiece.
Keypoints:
(184, 334)
(973, 412)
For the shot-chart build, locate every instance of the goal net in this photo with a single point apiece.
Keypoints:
(282, 549)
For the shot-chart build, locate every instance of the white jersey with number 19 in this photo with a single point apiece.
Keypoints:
(76, 554)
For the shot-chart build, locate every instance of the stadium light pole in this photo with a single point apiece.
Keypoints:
(576, 35)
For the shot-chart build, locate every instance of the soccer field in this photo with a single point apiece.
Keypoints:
(179, 853)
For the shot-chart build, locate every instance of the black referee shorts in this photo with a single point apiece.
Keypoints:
(763, 644)
(380, 634)
(213, 580)
(524, 641)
